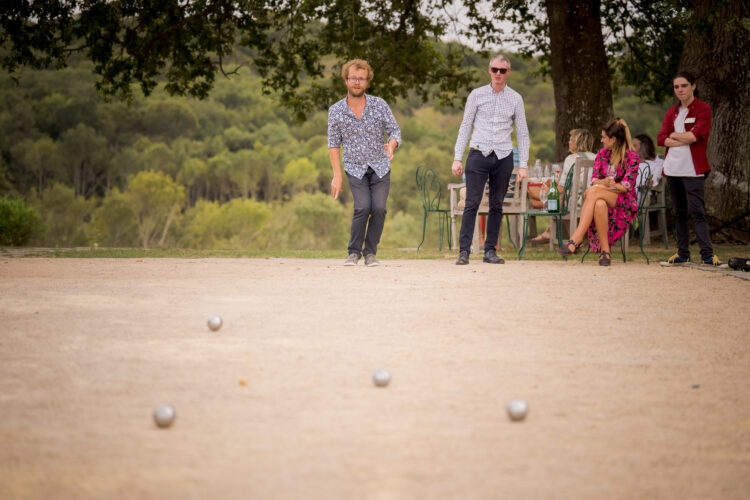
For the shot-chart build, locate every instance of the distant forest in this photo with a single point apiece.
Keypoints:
(233, 171)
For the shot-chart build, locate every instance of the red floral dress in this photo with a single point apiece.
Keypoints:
(626, 206)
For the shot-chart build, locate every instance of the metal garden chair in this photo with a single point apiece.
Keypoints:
(658, 194)
(565, 201)
(430, 191)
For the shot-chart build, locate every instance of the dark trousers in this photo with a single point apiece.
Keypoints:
(370, 194)
(687, 194)
(478, 170)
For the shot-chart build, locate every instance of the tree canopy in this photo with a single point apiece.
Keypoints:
(292, 44)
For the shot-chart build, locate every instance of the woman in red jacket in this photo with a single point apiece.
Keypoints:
(685, 132)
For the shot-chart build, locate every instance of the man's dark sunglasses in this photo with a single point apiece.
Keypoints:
(501, 70)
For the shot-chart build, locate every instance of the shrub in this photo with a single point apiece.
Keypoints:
(19, 223)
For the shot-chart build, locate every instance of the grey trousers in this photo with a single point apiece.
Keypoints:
(370, 194)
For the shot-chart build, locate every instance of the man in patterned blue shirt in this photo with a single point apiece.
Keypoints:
(358, 122)
(491, 111)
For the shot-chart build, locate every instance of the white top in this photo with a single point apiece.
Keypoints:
(679, 161)
(570, 161)
(656, 165)
(492, 115)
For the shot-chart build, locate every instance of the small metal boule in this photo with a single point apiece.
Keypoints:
(214, 323)
(517, 409)
(164, 415)
(381, 377)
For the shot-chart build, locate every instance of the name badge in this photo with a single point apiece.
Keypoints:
(690, 120)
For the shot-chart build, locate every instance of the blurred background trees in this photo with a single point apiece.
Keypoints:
(85, 163)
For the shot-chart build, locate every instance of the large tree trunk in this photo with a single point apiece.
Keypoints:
(720, 58)
(583, 96)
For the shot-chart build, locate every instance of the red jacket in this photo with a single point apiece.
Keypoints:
(700, 127)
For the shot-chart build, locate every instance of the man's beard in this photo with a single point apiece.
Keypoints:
(357, 93)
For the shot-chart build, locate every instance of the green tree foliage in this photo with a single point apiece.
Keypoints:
(19, 223)
(300, 175)
(156, 201)
(6, 186)
(308, 221)
(83, 157)
(188, 43)
(168, 120)
(64, 213)
(39, 159)
(234, 225)
(114, 222)
(241, 148)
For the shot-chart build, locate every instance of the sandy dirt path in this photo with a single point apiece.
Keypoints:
(636, 377)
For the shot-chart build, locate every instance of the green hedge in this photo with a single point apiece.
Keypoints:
(19, 223)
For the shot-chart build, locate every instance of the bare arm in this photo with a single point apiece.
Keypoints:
(390, 148)
(338, 181)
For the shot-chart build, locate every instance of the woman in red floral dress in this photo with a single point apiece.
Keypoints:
(611, 202)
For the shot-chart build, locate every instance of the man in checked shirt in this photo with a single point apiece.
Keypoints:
(491, 111)
(358, 122)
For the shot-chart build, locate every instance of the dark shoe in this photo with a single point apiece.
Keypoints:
(739, 263)
(714, 262)
(491, 257)
(569, 248)
(675, 260)
(463, 258)
(605, 259)
(371, 261)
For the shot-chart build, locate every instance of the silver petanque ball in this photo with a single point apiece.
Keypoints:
(164, 415)
(517, 409)
(214, 323)
(381, 377)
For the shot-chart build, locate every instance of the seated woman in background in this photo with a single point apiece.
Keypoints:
(580, 142)
(644, 146)
(611, 202)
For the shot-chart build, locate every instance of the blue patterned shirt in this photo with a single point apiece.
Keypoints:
(362, 138)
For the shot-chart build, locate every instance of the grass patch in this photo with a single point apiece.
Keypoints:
(655, 253)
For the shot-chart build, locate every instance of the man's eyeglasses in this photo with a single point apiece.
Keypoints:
(501, 70)
(356, 80)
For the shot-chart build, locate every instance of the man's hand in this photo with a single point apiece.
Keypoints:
(389, 151)
(457, 168)
(336, 184)
(522, 174)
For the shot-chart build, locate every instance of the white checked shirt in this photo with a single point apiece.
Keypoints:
(492, 114)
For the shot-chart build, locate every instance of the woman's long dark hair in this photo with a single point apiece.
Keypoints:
(648, 150)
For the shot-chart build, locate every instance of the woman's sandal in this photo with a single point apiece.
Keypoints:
(604, 259)
(539, 240)
(566, 249)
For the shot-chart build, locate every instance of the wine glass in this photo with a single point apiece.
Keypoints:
(556, 171)
(536, 171)
(543, 197)
(611, 172)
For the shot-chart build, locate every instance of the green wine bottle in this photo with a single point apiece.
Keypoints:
(553, 198)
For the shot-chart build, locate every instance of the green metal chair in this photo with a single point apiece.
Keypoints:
(661, 206)
(565, 200)
(430, 192)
